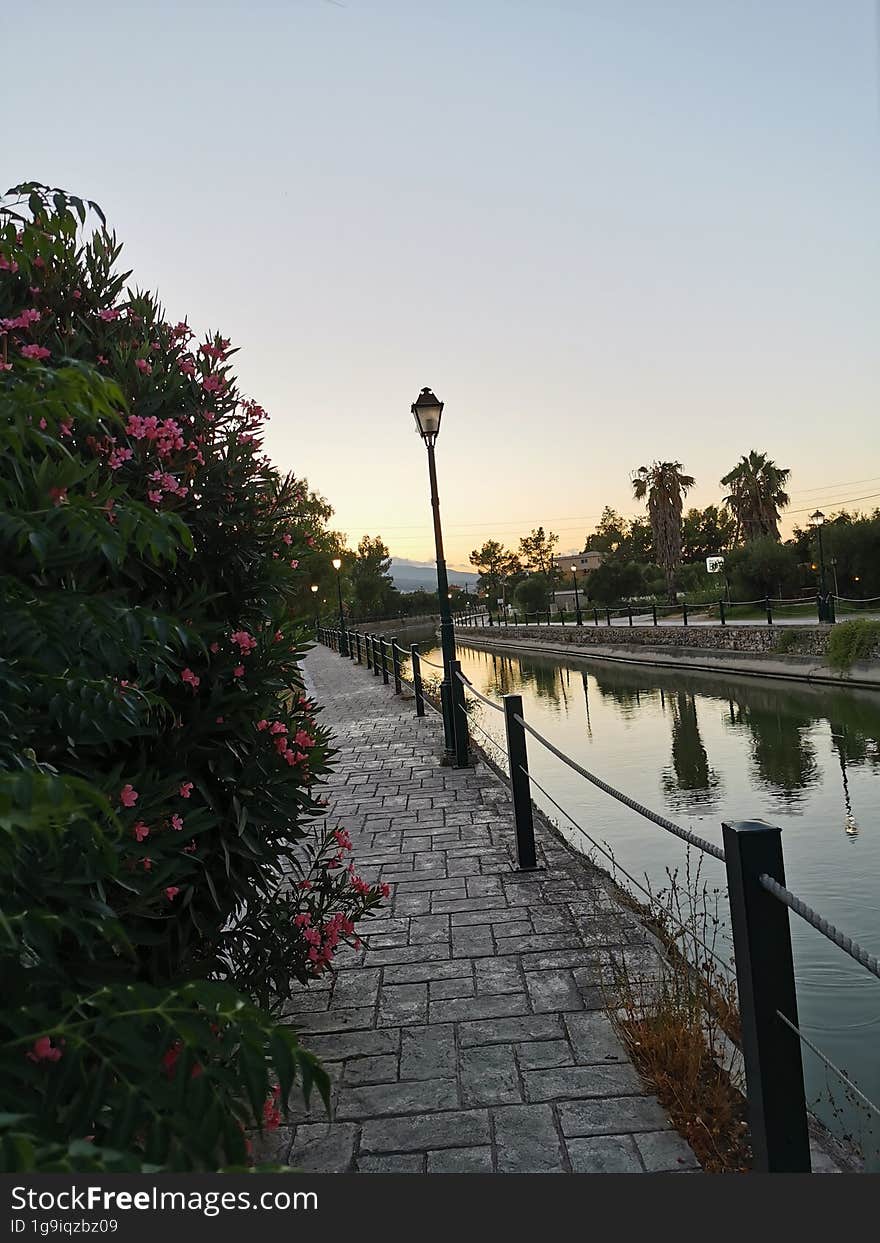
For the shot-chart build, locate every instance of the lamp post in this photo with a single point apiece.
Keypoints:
(343, 637)
(427, 412)
(577, 603)
(317, 618)
(818, 519)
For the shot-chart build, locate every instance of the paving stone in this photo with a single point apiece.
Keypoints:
(665, 1150)
(593, 1038)
(498, 975)
(526, 1140)
(406, 1097)
(505, 1031)
(460, 1161)
(553, 991)
(412, 903)
(406, 954)
(456, 1129)
(353, 1044)
(394, 1163)
(489, 1076)
(337, 1020)
(539, 1054)
(429, 929)
(571, 1082)
(611, 1116)
(356, 988)
(428, 1052)
(324, 1148)
(403, 1003)
(439, 989)
(381, 1069)
(604, 1154)
(414, 973)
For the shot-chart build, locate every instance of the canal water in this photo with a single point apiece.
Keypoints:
(700, 749)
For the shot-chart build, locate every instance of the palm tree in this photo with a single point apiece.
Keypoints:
(756, 493)
(665, 487)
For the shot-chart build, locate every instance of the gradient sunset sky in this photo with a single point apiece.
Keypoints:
(603, 231)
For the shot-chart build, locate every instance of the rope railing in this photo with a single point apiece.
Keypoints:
(490, 703)
(823, 1057)
(685, 834)
(841, 940)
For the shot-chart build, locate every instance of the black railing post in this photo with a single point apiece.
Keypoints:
(654, 611)
(722, 613)
(384, 655)
(373, 638)
(520, 789)
(596, 616)
(561, 618)
(395, 663)
(765, 984)
(769, 609)
(368, 651)
(607, 614)
(357, 639)
(684, 613)
(417, 678)
(459, 715)
(629, 613)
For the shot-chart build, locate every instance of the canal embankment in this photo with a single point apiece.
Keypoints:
(794, 653)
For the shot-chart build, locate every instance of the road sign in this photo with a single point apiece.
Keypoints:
(714, 564)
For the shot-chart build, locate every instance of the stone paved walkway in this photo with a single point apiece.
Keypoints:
(468, 1034)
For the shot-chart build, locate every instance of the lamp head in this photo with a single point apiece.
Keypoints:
(314, 587)
(427, 412)
(337, 563)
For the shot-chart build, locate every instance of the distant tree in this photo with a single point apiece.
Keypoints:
(536, 551)
(611, 530)
(615, 581)
(756, 494)
(533, 593)
(371, 587)
(663, 486)
(706, 533)
(495, 565)
(763, 567)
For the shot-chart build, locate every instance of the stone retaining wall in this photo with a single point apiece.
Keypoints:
(803, 640)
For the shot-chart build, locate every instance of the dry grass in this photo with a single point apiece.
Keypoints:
(679, 1023)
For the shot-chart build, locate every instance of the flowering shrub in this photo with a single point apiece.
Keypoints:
(159, 760)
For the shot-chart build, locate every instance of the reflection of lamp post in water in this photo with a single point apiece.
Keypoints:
(850, 824)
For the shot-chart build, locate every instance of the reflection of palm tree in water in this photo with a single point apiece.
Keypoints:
(784, 757)
(691, 781)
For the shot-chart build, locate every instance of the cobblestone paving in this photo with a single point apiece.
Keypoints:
(468, 1034)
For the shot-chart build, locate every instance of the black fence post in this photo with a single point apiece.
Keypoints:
(596, 616)
(357, 639)
(367, 651)
(375, 655)
(459, 714)
(395, 663)
(417, 678)
(608, 614)
(629, 613)
(769, 609)
(384, 655)
(654, 611)
(561, 617)
(722, 613)
(518, 763)
(765, 983)
(684, 613)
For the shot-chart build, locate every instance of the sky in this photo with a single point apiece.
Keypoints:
(602, 232)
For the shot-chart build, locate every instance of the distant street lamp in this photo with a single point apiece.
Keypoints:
(317, 618)
(343, 637)
(577, 603)
(818, 519)
(834, 575)
(427, 412)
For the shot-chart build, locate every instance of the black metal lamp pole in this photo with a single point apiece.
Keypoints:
(427, 412)
(343, 637)
(824, 613)
(577, 603)
(317, 617)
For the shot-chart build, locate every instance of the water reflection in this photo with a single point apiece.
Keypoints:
(690, 782)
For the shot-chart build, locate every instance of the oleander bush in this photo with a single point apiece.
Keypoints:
(850, 641)
(166, 869)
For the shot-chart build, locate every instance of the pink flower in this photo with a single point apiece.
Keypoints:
(190, 677)
(42, 1051)
(303, 921)
(35, 351)
(43, 425)
(278, 636)
(65, 428)
(143, 366)
(261, 725)
(213, 384)
(288, 539)
(141, 831)
(108, 314)
(186, 789)
(8, 265)
(154, 497)
(176, 822)
(215, 648)
(238, 671)
(77, 293)
(271, 1112)
(245, 642)
(294, 565)
(148, 864)
(385, 890)
(218, 720)
(128, 796)
(278, 728)
(102, 360)
(171, 892)
(58, 495)
(304, 740)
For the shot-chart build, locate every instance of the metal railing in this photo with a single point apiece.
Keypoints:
(764, 610)
(759, 911)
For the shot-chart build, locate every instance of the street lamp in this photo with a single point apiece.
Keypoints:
(427, 412)
(317, 618)
(577, 603)
(343, 637)
(818, 519)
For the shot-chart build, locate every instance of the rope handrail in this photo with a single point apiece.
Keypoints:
(841, 940)
(432, 663)
(476, 725)
(858, 599)
(473, 690)
(619, 866)
(686, 836)
(842, 1075)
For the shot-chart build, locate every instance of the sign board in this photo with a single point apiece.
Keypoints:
(714, 564)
